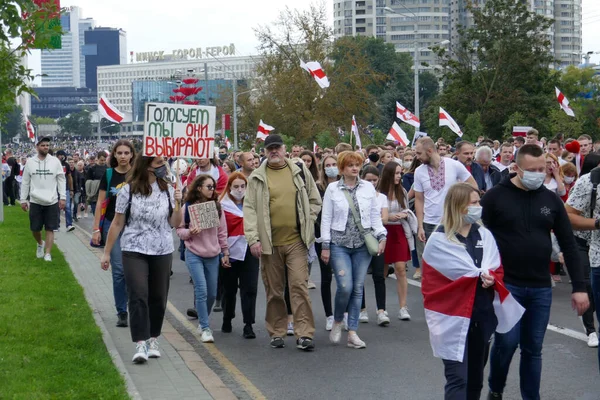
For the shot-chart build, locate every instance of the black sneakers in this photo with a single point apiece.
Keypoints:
(249, 332)
(277, 342)
(494, 396)
(305, 343)
(192, 313)
(217, 307)
(226, 327)
(122, 320)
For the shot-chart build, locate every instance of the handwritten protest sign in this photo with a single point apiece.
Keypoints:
(204, 215)
(179, 130)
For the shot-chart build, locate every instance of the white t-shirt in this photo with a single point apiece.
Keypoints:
(434, 198)
(382, 201)
(148, 231)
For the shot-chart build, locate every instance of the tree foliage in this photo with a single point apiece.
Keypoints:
(14, 124)
(77, 124)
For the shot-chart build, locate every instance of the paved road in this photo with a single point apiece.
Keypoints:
(397, 363)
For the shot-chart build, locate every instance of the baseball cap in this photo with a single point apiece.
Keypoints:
(273, 140)
(43, 139)
(61, 153)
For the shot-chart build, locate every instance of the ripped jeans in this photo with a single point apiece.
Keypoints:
(350, 269)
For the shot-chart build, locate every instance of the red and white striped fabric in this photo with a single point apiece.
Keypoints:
(109, 111)
(564, 103)
(263, 130)
(521, 130)
(316, 71)
(30, 130)
(235, 229)
(354, 131)
(398, 135)
(404, 115)
(315, 147)
(447, 120)
(449, 282)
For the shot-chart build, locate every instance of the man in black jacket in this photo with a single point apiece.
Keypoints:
(521, 213)
(491, 175)
(11, 182)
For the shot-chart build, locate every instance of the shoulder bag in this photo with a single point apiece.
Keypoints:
(370, 240)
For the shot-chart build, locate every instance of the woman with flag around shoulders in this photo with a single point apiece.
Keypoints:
(464, 295)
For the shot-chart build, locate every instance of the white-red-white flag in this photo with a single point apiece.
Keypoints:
(521, 130)
(30, 130)
(355, 133)
(398, 135)
(315, 147)
(564, 103)
(316, 71)
(109, 111)
(227, 143)
(263, 130)
(450, 279)
(404, 115)
(447, 120)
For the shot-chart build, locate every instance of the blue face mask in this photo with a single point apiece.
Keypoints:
(332, 172)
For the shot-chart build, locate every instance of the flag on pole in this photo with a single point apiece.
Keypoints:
(564, 103)
(263, 130)
(418, 135)
(355, 133)
(521, 130)
(447, 120)
(315, 147)
(404, 115)
(226, 127)
(398, 135)
(316, 71)
(109, 111)
(450, 279)
(30, 130)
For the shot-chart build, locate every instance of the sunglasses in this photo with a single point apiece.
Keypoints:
(209, 187)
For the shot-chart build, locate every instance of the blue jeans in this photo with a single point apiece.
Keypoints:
(595, 280)
(118, 276)
(350, 268)
(205, 274)
(529, 334)
(68, 210)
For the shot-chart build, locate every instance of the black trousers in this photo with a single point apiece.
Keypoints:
(326, 279)
(147, 279)
(245, 275)
(464, 380)
(10, 189)
(378, 268)
(588, 315)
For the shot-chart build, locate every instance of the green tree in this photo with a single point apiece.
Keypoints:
(473, 127)
(515, 119)
(42, 120)
(109, 126)
(77, 124)
(560, 122)
(14, 124)
(500, 66)
(18, 35)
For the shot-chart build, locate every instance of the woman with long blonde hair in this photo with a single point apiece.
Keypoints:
(461, 274)
(554, 176)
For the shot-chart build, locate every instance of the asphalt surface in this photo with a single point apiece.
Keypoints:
(397, 363)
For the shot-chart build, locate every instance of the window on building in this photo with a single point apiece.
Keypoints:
(361, 21)
(361, 12)
(361, 29)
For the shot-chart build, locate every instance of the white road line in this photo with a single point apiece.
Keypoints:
(551, 327)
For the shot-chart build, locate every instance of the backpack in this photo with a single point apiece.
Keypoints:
(595, 179)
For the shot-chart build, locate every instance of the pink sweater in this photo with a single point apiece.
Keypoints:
(209, 242)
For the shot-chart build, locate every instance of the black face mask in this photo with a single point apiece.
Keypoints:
(374, 157)
(160, 172)
(223, 157)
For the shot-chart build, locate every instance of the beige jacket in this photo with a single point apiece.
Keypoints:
(257, 215)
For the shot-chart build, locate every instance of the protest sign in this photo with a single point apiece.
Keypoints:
(204, 215)
(179, 130)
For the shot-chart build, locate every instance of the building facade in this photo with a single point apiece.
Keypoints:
(116, 81)
(420, 24)
(103, 46)
(58, 102)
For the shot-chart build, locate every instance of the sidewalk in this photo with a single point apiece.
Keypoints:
(173, 376)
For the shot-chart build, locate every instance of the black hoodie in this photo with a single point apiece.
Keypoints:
(521, 222)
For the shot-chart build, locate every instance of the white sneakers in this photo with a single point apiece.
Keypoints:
(329, 323)
(593, 339)
(141, 352)
(354, 342)
(382, 318)
(47, 257)
(336, 333)
(403, 314)
(70, 228)
(363, 318)
(311, 284)
(207, 336)
(40, 250)
(153, 351)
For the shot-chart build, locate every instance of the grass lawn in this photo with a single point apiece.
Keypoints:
(50, 346)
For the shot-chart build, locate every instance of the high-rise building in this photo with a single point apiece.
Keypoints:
(62, 67)
(425, 23)
(103, 46)
(84, 25)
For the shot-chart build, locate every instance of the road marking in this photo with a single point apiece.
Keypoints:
(551, 327)
(246, 384)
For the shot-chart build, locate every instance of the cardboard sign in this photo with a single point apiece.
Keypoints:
(179, 130)
(204, 215)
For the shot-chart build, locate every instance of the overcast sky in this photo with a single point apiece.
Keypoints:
(167, 25)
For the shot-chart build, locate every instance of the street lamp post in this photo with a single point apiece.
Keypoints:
(235, 95)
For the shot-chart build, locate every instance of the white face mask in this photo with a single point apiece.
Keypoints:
(238, 194)
(533, 180)
(569, 179)
(406, 164)
(331, 172)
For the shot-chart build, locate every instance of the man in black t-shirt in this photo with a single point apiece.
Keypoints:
(62, 156)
